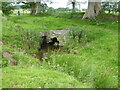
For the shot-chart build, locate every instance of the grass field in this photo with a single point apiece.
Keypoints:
(94, 66)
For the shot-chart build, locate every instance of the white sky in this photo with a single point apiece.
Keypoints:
(63, 4)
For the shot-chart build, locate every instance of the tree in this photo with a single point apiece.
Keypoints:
(73, 5)
(7, 8)
(33, 8)
(93, 10)
(25, 6)
(110, 6)
(79, 3)
(118, 7)
(37, 7)
(51, 10)
(73, 2)
(106, 6)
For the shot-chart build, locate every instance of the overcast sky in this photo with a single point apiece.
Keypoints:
(63, 3)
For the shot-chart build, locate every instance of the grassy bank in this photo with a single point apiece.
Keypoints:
(95, 64)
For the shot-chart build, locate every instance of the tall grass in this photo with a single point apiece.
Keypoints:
(28, 40)
(95, 60)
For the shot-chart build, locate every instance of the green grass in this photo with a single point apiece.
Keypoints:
(33, 75)
(62, 21)
(95, 65)
(24, 77)
(22, 58)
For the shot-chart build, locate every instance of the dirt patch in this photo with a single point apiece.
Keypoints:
(8, 55)
(15, 86)
(1, 43)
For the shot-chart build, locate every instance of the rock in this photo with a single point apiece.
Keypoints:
(14, 45)
(75, 52)
(8, 55)
(1, 43)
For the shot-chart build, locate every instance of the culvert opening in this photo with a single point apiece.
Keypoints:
(58, 43)
(47, 46)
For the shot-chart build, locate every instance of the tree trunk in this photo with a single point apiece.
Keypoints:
(93, 10)
(73, 6)
(38, 7)
(109, 11)
(97, 8)
(33, 8)
(23, 11)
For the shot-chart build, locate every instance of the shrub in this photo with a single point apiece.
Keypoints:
(5, 62)
(6, 8)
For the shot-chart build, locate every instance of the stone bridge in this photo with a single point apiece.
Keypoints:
(61, 35)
